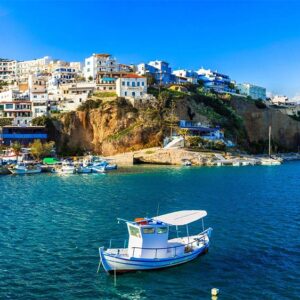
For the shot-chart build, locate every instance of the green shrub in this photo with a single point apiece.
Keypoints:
(260, 104)
(89, 104)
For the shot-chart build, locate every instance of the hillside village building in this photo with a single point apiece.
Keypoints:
(7, 69)
(16, 106)
(253, 91)
(160, 70)
(131, 86)
(106, 84)
(25, 68)
(99, 63)
(183, 76)
(214, 80)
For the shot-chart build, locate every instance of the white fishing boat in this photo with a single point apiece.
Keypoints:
(98, 169)
(8, 156)
(67, 167)
(22, 169)
(109, 167)
(85, 169)
(236, 163)
(270, 161)
(149, 246)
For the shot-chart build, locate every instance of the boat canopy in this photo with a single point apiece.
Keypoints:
(182, 217)
(50, 161)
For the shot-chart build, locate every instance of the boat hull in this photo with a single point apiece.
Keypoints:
(113, 264)
(25, 172)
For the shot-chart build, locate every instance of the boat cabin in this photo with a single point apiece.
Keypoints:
(149, 237)
(146, 234)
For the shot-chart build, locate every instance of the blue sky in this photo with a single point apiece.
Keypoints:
(252, 41)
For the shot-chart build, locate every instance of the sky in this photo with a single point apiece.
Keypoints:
(256, 41)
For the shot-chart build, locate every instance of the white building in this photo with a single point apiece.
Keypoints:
(186, 75)
(99, 63)
(214, 80)
(37, 84)
(283, 100)
(35, 66)
(106, 84)
(253, 91)
(72, 95)
(64, 75)
(39, 104)
(17, 106)
(131, 86)
(7, 69)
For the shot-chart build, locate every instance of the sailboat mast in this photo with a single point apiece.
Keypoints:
(270, 129)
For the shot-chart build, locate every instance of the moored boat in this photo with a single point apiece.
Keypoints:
(98, 169)
(23, 169)
(84, 169)
(109, 167)
(270, 161)
(149, 246)
(67, 167)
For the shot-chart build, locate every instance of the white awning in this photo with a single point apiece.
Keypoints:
(181, 217)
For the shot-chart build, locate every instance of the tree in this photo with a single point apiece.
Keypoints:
(48, 148)
(201, 83)
(183, 132)
(37, 149)
(231, 85)
(150, 79)
(16, 146)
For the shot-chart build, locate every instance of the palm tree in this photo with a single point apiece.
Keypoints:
(183, 132)
(16, 146)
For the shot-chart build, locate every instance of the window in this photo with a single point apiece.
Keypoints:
(162, 230)
(123, 83)
(133, 94)
(128, 83)
(134, 231)
(149, 230)
(9, 106)
(143, 83)
(138, 83)
(125, 94)
(133, 83)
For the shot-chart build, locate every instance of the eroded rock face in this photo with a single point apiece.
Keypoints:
(117, 127)
(285, 130)
(107, 130)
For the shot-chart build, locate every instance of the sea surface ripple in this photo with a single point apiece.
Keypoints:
(51, 227)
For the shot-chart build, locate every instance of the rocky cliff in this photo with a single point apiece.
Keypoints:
(284, 129)
(115, 126)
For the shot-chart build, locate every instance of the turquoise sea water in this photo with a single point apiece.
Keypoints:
(51, 227)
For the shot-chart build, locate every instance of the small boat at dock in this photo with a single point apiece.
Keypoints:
(270, 161)
(23, 169)
(84, 169)
(67, 167)
(149, 246)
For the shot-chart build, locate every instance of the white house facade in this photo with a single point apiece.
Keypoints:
(99, 63)
(131, 86)
(7, 69)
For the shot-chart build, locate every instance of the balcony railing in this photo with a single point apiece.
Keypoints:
(23, 135)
